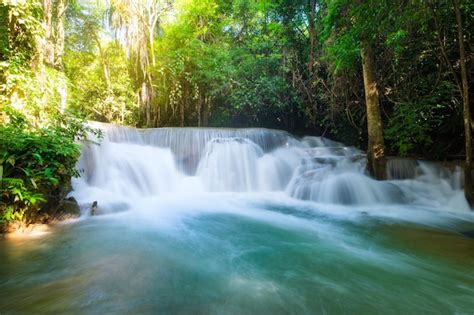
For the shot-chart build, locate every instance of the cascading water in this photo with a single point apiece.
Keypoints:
(247, 221)
(131, 163)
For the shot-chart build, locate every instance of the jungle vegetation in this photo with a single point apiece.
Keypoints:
(394, 77)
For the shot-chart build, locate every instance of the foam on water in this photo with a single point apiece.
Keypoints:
(309, 188)
(252, 221)
(132, 164)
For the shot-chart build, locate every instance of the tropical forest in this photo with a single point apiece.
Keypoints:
(236, 156)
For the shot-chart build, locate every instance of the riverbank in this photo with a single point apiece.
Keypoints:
(52, 213)
(17, 230)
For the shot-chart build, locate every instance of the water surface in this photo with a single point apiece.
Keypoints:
(230, 254)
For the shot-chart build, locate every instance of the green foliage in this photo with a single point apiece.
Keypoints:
(410, 127)
(288, 64)
(26, 84)
(262, 95)
(415, 43)
(416, 125)
(98, 98)
(39, 140)
(35, 163)
(20, 27)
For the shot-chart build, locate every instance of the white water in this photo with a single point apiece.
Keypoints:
(131, 165)
(253, 221)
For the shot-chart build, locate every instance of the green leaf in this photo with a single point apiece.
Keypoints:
(33, 183)
(11, 160)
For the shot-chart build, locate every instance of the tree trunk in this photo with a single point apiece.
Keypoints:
(59, 40)
(206, 111)
(47, 47)
(312, 35)
(466, 109)
(158, 117)
(376, 149)
(59, 37)
(51, 46)
(199, 111)
(181, 113)
(103, 61)
(145, 102)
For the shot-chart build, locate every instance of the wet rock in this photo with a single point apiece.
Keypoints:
(70, 206)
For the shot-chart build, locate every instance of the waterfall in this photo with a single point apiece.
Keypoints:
(128, 165)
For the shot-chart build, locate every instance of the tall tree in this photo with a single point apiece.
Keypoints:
(51, 44)
(136, 24)
(358, 26)
(312, 35)
(376, 147)
(33, 69)
(466, 109)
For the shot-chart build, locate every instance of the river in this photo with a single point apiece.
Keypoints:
(249, 221)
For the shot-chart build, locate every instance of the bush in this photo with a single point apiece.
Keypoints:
(35, 162)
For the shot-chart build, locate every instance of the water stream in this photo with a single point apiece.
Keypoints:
(246, 221)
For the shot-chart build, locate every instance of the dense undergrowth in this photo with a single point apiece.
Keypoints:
(36, 166)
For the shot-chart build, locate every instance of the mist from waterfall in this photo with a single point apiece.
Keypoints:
(247, 221)
(129, 165)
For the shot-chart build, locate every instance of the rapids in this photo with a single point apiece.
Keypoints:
(131, 165)
(246, 221)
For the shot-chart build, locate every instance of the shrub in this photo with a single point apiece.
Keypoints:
(35, 162)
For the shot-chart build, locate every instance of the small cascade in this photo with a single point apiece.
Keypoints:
(348, 188)
(134, 164)
(275, 169)
(400, 168)
(131, 169)
(320, 142)
(230, 164)
(335, 175)
(437, 186)
(189, 144)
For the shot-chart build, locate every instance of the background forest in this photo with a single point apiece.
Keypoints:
(286, 64)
